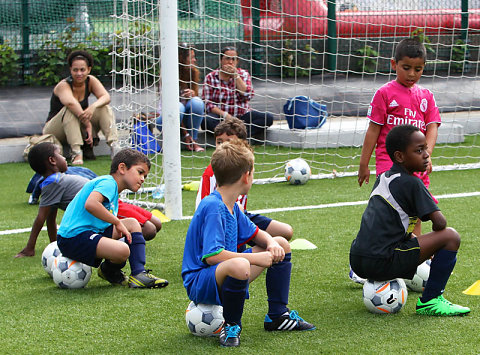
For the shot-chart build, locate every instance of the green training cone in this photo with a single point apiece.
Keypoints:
(302, 244)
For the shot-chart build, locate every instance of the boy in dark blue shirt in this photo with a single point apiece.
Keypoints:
(214, 272)
(385, 247)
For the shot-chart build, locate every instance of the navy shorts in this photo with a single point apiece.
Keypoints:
(83, 247)
(403, 263)
(260, 221)
(203, 287)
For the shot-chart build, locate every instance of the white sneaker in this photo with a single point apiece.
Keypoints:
(32, 200)
(355, 278)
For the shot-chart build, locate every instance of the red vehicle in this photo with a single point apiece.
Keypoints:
(308, 19)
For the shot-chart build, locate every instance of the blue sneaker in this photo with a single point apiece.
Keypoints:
(288, 321)
(230, 335)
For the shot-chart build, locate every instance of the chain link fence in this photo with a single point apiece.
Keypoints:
(36, 36)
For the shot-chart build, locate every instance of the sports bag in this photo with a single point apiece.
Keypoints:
(302, 112)
(143, 138)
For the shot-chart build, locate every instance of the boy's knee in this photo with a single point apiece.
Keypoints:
(454, 237)
(156, 222)
(132, 225)
(149, 230)
(123, 252)
(240, 268)
(288, 232)
(283, 243)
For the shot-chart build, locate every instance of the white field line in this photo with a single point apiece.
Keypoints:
(286, 209)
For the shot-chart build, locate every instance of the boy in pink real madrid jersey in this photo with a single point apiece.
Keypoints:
(399, 102)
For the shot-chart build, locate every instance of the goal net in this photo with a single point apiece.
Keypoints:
(335, 52)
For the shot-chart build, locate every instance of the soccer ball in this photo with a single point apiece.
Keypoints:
(68, 273)
(419, 280)
(48, 256)
(204, 319)
(297, 171)
(385, 296)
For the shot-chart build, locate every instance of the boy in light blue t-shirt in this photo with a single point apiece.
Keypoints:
(90, 230)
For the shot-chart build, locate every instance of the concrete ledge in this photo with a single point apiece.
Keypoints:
(333, 134)
(11, 149)
(345, 133)
(337, 132)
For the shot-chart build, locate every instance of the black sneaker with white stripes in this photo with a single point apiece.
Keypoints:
(288, 321)
(230, 335)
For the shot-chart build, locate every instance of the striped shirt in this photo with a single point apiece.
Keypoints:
(208, 184)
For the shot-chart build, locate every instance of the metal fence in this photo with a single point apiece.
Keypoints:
(36, 30)
(39, 34)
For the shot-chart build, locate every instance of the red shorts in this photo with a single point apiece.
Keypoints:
(126, 210)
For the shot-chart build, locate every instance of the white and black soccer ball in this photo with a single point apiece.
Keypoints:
(204, 319)
(297, 171)
(68, 273)
(385, 296)
(49, 254)
(419, 280)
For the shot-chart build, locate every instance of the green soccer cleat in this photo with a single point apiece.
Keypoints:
(146, 280)
(439, 306)
(115, 278)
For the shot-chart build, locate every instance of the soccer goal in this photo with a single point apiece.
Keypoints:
(334, 52)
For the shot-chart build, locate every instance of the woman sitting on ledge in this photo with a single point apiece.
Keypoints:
(71, 119)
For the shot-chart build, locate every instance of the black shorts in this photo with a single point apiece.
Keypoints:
(402, 264)
(260, 221)
(83, 247)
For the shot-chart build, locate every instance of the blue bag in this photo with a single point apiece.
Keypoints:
(143, 138)
(302, 112)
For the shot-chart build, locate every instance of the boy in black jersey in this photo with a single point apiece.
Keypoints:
(385, 247)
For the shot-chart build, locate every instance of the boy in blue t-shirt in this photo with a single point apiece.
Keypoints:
(90, 229)
(212, 270)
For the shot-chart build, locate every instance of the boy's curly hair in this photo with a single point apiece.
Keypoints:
(231, 160)
(399, 138)
(231, 127)
(38, 156)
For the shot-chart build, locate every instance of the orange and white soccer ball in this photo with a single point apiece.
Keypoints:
(419, 280)
(68, 273)
(204, 319)
(49, 254)
(297, 171)
(385, 296)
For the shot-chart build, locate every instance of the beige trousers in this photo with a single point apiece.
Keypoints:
(67, 127)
